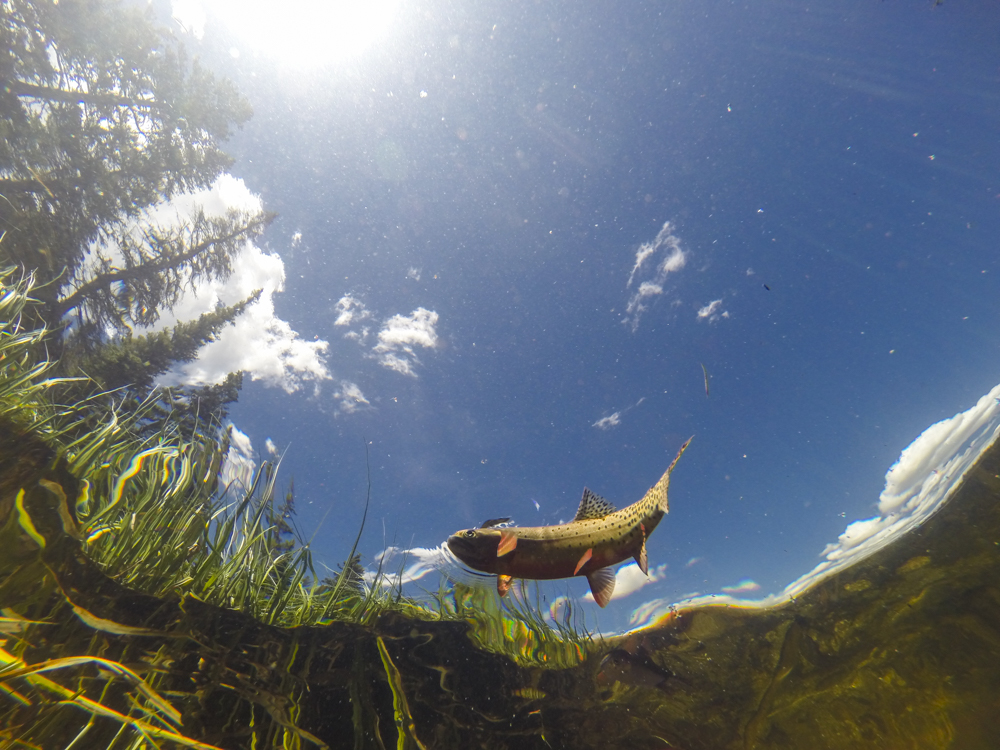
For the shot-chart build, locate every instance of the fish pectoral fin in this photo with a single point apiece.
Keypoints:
(602, 585)
(584, 559)
(508, 541)
(641, 560)
(503, 584)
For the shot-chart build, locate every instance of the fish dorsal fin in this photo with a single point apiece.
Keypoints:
(496, 522)
(593, 506)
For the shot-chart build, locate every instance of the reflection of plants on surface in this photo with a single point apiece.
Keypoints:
(152, 514)
(24, 400)
(139, 495)
(40, 443)
(149, 506)
(49, 696)
(516, 627)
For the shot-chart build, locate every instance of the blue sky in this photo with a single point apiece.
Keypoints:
(469, 195)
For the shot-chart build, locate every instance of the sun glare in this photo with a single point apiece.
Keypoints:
(299, 33)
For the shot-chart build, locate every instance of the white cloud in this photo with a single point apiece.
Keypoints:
(401, 331)
(629, 579)
(673, 259)
(400, 364)
(359, 336)
(710, 312)
(923, 478)
(710, 309)
(613, 420)
(258, 342)
(398, 338)
(413, 273)
(226, 193)
(239, 466)
(645, 250)
(398, 566)
(351, 398)
(606, 423)
(271, 447)
(296, 239)
(745, 586)
(647, 611)
(400, 334)
(558, 609)
(649, 289)
(424, 561)
(349, 310)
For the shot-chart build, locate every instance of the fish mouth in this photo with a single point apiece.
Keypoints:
(468, 551)
(456, 567)
(459, 546)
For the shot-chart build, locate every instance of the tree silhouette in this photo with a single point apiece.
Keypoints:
(104, 119)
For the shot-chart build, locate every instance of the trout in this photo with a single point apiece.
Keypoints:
(597, 538)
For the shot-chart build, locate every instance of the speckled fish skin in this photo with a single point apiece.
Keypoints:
(550, 552)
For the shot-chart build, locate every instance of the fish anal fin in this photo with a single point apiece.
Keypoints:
(508, 541)
(503, 584)
(602, 585)
(593, 506)
(584, 559)
(640, 558)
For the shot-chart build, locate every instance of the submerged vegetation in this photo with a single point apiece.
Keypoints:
(128, 567)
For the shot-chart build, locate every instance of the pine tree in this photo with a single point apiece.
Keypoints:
(281, 535)
(138, 360)
(353, 574)
(103, 119)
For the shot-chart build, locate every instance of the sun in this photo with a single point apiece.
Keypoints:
(296, 33)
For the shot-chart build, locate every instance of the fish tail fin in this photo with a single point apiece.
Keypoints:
(679, 454)
(658, 493)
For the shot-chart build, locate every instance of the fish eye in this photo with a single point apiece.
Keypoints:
(470, 534)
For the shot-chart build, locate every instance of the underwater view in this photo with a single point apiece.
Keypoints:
(481, 375)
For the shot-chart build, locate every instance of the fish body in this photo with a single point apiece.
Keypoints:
(597, 538)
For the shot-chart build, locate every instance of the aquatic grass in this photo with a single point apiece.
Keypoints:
(24, 392)
(142, 494)
(160, 525)
(405, 727)
(150, 509)
(517, 627)
(153, 515)
(50, 701)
